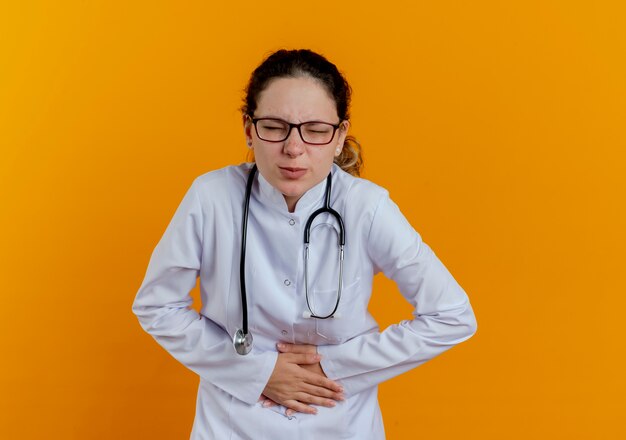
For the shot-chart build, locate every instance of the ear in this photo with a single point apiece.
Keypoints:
(341, 138)
(247, 129)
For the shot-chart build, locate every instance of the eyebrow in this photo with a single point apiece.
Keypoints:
(299, 122)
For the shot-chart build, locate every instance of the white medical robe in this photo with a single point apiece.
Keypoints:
(204, 239)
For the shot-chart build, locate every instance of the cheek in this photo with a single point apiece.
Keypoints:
(323, 163)
(330, 155)
(260, 153)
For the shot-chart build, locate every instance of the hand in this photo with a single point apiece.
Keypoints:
(293, 385)
(314, 368)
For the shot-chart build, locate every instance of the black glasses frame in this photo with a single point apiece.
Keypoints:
(297, 126)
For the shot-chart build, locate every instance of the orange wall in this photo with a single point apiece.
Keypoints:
(497, 126)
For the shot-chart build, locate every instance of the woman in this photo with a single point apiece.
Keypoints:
(317, 355)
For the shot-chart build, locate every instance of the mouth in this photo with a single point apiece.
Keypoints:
(292, 172)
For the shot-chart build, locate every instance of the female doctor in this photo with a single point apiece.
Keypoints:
(296, 355)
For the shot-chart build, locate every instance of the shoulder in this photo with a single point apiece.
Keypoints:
(221, 189)
(224, 179)
(359, 193)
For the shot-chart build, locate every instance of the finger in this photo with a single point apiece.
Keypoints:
(323, 393)
(285, 347)
(298, 406)
(303, 358)
(321, 381)
(268, 403)
(265, 401)
(316, 400)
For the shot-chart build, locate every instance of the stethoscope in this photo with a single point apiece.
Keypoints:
(242, 340)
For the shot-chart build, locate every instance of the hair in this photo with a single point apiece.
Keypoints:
(306, 63)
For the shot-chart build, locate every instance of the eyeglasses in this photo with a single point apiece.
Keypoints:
(277, 130)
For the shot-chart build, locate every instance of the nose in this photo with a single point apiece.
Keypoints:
(294, 145)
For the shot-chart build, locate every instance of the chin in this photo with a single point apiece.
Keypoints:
(292, 190)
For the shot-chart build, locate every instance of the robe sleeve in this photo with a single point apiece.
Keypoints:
(163, 307)
(442, 316)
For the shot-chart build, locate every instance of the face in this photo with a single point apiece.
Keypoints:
(292, 166)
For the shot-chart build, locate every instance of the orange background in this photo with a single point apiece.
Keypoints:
(498, 128)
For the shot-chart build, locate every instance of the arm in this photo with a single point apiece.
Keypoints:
(442, 318)
(163, 307)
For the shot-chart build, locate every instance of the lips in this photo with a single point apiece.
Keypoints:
(292, 172)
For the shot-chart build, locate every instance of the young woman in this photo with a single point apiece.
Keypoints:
(284, 344)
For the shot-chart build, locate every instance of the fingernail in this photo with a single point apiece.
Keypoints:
(266, 403)
(280, 345)
(289, 413)
(331, 403)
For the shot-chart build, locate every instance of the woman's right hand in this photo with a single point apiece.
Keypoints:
(297, 388)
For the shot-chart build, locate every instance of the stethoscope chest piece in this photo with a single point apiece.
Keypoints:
(242, 342)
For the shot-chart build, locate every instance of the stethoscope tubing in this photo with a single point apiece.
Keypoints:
(242, 340)
(242, 260)
(307, 238)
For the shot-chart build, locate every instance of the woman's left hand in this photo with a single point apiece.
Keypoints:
(284, 347)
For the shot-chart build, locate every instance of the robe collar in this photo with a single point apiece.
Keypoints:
(313, 198)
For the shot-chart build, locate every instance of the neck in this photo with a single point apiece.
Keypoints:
(291, 202)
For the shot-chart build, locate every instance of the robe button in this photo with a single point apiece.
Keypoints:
(283, 332)
(287, 283)
(292, 222)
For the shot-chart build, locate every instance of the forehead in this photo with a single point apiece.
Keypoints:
(296, 99)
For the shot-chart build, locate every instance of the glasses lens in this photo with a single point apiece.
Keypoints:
(317, 132)
(272, 130)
